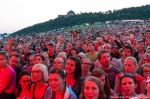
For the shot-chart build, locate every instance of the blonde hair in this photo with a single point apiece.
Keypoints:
(44, 70)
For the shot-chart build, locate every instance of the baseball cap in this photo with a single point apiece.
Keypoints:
(52, 43)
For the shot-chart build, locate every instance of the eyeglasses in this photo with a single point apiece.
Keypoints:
(37, 72)
(126, 75)
(86, 63)
(26, 81)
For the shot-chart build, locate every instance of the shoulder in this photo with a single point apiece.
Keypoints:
(71, 93)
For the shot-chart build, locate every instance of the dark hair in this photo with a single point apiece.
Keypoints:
(91, 43)
(127, 75)
(73, 48)
(16, 50)
(42, 57)
(101, 52)
(19, 89)
(98, 73)
(4, 54)
(127, 47)
(78, 69)
(147, 31)
(18, 56)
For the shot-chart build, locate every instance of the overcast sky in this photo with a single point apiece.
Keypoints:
(18, 14)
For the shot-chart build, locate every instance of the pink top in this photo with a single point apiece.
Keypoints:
(11, 72)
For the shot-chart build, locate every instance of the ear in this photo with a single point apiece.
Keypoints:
(135, 85)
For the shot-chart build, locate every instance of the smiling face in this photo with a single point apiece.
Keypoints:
(56, 82)
(128, 86)
(91, 90)
(70, 66)
(25, 82)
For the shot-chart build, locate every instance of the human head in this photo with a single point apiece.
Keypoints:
(102, 76)
(63, 55)
(145, 58)
(140, 45)
(57, 79)
(145, 70)
(31, 60)
(107, 47)
(130, 65)
(51, 47)
(75, 63)
(39, 58)
(96, 93)
(104, 58)
(24, 82)
(59, 62)
(39, 72)
(147, 33)
(126, 51)
(128, 84)
(4, 58)
(91, 46)
(15, 60)
(86, 64)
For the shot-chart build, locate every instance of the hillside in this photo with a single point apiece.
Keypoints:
(142, 12)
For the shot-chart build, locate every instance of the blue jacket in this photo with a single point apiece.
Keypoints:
(69, 94)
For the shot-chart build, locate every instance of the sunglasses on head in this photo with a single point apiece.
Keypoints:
(126, 75)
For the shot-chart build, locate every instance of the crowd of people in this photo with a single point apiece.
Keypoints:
(102, 63)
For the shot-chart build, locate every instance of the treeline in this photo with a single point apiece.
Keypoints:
(142, 12)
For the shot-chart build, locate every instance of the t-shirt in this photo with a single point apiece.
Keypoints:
(111, 73)
(3, 75)
(92, 57)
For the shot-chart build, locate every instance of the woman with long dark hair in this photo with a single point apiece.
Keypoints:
(102, 76)
(23, 89)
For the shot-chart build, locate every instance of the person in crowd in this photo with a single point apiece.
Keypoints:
(92, 89)
(59, 90)
(43, 46)
(51, 51)
(73, 74)
(39, 77)
(114, 62)
(63, 55)
(47, 62)
(114, 51)
(73, 52)
(102, 76)
(23, 89)
(126, 51)
(111, 71)
(145, 70)
(7, 77)
(92, 54)
(69, 46)
(128, 84)
(130, 66)
(99, 43)
(140, 50)
(59, 62)
(145, 59)
(39, 58)
(15, 63)
(84, 48)
(31, 63)
(86, 66)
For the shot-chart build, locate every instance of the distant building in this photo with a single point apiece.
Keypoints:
(70, 13)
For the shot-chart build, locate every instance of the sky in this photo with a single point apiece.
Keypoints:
(19, 14)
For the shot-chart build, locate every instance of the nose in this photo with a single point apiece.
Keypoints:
(90, 90)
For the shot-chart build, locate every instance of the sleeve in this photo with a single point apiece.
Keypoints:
(47, 94)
